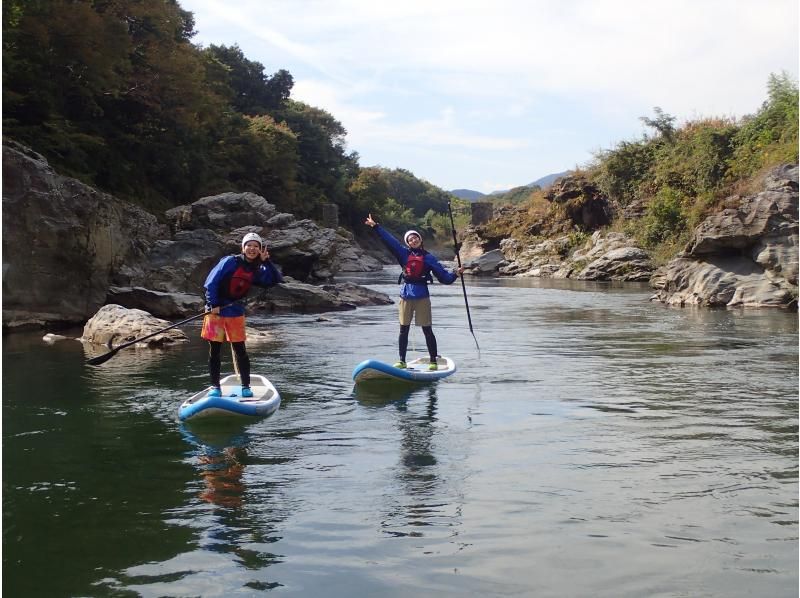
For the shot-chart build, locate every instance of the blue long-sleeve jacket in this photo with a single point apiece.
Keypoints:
(415, 290)
(265, 275)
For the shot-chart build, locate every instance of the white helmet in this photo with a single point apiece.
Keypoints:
(409, 233)
(252, 237)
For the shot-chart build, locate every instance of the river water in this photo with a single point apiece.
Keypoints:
(597, 445)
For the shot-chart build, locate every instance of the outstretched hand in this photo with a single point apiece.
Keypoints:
(264, 254)
(370, 222)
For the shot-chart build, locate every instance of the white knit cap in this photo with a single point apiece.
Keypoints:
(252, 237)
(409, 233)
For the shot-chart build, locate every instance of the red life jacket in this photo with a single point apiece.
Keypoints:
(415, 270)
(240, 281)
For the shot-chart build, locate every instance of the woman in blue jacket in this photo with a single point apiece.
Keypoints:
(229, 281)
(415, 300)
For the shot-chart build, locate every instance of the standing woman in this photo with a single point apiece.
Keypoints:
(227, 282)
(415, 300)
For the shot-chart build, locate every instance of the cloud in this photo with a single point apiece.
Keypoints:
(364, 126)
(526, 83)
(688, 53)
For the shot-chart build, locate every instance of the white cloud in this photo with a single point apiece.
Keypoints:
(500, 77)
(369, 126)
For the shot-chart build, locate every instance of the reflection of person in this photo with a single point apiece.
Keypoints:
(415, 299)
(227, 282)
(223, 477)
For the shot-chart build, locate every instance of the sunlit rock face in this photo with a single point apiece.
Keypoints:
(744, 256)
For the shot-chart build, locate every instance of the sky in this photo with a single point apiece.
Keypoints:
(492, 95)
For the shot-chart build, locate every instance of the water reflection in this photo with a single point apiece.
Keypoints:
(379, 393)
(234, 507)
(656, 439)
(426, 497)
(126, 361)
(220, 457)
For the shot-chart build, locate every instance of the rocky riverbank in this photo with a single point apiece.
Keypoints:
(745, 255)
(69, 249)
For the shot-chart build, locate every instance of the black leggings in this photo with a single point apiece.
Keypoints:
(241, 362)
(430, 341)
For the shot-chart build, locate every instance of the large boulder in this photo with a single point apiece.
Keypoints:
(114, 325)
(181, 264)
(612, 256)
(226, 211)
(486, 263)
(63, 242)
(746, 255)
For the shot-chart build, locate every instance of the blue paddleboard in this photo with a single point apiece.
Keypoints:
(264, 402)
(416, 370)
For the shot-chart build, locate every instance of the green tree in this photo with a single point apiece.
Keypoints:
(664, 218)
(697, 159)
(111, 92)
(622, 171)
(771, 135)
(253, 92)
(325, 169)
(368, 191)
(663, 123)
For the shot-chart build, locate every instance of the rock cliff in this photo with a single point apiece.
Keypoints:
(63, 242)
(746, 255)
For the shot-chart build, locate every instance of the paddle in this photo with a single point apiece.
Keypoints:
(463, 286)
(106, 356)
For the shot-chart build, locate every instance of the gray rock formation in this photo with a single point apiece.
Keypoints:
(613, 256)
(486, 264)
(299, 297)
(114, 325)
(303, 249)
(584, 204)
(166, 305)
(743, 256)
(66, 246)
(604, 256)
(63, 242)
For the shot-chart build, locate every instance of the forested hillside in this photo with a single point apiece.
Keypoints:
(116, 94)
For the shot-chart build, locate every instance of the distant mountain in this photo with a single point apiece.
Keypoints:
(546, 181)
(468, 194)
(471, 195)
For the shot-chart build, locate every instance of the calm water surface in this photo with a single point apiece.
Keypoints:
(598, 445)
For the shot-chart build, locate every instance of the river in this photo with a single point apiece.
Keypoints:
(598, 444)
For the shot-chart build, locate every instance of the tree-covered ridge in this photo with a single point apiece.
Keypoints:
(662, 185)
(113, 92)
(406, 200)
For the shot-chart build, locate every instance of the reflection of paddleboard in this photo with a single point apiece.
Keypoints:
(417, 370)
(264, 402)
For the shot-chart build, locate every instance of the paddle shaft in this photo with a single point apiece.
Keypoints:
(106, 356)
(463, 286)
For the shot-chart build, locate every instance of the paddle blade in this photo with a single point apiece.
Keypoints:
(100, 359)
